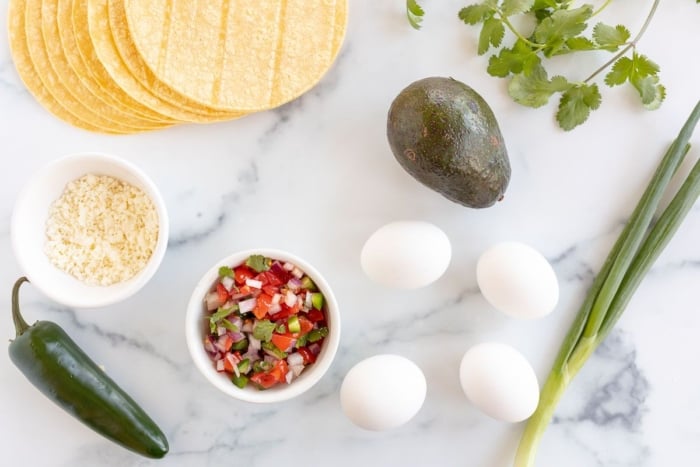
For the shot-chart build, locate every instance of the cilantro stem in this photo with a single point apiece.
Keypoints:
(512, 29)
(629, 46)
(602, 7)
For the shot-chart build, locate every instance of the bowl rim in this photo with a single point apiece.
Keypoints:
(110, 296)
(281, 393)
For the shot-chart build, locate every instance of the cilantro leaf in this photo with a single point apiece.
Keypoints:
(225, 271)
(643, 66)
(580, 43)
(610, 38)
(263, 330)
(576, 104)
(560, 26)
(514, 7)
(536, 89)
(258, 263)
(492, 33)
(476, 13)
(620, 72)
(518, 59)
(651, 92)
(414, 13)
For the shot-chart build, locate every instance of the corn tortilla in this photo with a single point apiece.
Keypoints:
(26, 71)
(238, 55)
(136, 66)
(73, 84)
(83, 61)
(101, 37)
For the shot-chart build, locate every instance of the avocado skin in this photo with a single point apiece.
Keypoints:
(445, 135)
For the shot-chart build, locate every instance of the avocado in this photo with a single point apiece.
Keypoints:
(445, 135)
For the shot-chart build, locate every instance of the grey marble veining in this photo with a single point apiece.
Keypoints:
(316, 177)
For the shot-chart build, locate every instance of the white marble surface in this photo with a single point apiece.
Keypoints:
(316, 177)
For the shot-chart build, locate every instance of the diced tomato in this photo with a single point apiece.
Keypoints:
(264, 380)
(272, 278)
(315, 315)
(280, 273)
(242, 273)
(262, 305)
(287, 311)
(230, 361)
(305, 325)
(223, 293)
(283, 342)
(309, 357)
(270, 289)
(279, 371)
(224, 343)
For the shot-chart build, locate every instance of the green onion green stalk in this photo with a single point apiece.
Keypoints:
(639, 245)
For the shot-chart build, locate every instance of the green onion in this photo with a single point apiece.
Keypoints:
(639, 245)
(293, 324)
(261, 366)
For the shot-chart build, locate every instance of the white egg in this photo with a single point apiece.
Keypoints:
(499, 381)
(382, 392)
(517, 280)
(406, 254)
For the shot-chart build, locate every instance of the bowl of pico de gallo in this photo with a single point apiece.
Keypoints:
(262, 325)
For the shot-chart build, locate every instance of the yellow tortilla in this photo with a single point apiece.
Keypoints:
(25, 68)
(135, 64)
(101, 36)
(83, 61)
(238, 55)
(73, 84)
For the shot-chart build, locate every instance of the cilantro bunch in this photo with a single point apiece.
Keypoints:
(559, 28)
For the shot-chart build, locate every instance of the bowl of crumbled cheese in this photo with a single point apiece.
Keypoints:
(89, 230)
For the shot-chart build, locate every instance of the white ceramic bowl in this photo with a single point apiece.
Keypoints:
(195, 329)
(28, 229)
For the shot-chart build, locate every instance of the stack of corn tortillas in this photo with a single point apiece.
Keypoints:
(127, 66)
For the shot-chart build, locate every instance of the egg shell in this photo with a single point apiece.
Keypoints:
(517, 280)
(499, 381)
(406, 254)
(382, 392)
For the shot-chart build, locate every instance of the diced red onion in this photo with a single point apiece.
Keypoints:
(253, 343)
(295, 359)
(220, 331)
(247, 327)
(212, 300)
(290, 299)
(253, 283)
(315, 348)
(276, 298)
(237, 321)
(227, 282)
(247, 305)
(209, 345)
(294, 284)
(296, 369)
(298, 273)
(237, 336)
(307, 301)
(221, 344)
(270, 359)
(219, 365)
(252, 355)
(289, 377)
(275, 308)
(288, 266)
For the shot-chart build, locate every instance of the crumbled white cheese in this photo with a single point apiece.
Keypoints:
(101, 230)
